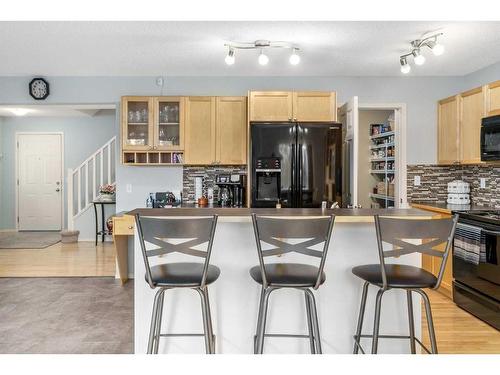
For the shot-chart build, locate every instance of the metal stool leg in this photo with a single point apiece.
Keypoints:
(430, 322)
(411, 321)
(263, 318)
(154, 316)
(315, 322)
(361, 317)
(259, 320)
(159, 314)
(309, 323)
(209, 320)
(206, 324)
(376, 323)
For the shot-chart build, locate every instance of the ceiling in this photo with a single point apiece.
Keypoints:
(197, 48)
(49, 110)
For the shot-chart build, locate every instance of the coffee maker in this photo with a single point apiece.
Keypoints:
(231, 189)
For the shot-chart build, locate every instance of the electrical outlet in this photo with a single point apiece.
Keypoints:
(416, 181)
(128, 188)
(482, 183)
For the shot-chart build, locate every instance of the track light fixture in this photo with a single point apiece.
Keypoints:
(261, 45)
(417, 45)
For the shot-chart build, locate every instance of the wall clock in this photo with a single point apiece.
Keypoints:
(39, 88)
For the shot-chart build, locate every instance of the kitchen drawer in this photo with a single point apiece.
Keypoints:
(123, 226)
(485, 308)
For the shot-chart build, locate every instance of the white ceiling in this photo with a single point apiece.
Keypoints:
(49, 110)
(197, 48)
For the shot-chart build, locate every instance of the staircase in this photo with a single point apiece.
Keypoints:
(83, 181)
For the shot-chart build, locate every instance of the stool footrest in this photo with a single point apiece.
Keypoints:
(356, 340)
(284, 335)
(182, 335)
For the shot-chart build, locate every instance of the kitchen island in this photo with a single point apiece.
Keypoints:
(234, 296)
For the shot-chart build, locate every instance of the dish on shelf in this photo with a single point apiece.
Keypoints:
(136, 142)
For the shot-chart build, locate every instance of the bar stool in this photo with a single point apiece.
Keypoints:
(159, 236)
(396, 237)
(282, 234)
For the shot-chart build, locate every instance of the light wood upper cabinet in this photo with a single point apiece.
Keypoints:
(472, 109)
(271, 106)
(137, 123)
(310, 106)
(168, 123)
(493, 99)
(314, 106)
(199, 143)
(231, 130)
(448, 130)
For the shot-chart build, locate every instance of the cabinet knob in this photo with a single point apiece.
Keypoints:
(130, 227)
(295, 119)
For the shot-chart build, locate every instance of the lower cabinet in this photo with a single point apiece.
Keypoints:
(215, 130)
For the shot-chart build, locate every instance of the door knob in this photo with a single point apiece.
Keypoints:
(58, 190)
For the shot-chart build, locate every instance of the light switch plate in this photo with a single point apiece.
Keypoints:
(482, 183)
(416, 181)
(128, 188)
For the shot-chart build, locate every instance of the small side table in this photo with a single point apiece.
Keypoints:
(103, 232)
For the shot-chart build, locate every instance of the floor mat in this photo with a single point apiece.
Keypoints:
(28, 240)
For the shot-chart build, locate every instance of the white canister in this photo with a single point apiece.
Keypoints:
(198, 188)
(210, 193)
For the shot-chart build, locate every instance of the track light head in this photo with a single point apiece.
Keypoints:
(437, 49)
(263, 59)
(294, 57)
(230, 57)
(418, 57)
(405, 67)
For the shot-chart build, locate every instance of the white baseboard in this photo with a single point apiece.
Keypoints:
(93, 240)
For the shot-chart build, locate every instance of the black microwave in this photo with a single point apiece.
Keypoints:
(490, 138)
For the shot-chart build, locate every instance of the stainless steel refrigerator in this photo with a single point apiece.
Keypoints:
(303, 161)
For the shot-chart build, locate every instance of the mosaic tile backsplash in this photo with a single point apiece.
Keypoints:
(434, 182)
(208, 173)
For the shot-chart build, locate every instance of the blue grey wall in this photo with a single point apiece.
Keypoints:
(482, 77)
(82, 137)
(419, 93)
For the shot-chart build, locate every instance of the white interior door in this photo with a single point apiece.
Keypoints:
(39, 181)
(349, 116)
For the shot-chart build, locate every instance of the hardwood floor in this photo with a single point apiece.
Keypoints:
(60, 260)
(457, 331)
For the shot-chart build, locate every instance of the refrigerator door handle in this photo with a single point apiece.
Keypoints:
(300, 172)
(293, 177)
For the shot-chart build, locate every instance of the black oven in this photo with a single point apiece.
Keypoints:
(476, 285)
(490, 138)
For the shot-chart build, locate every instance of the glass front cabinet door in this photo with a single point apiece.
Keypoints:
(168, 123)
(137, 122)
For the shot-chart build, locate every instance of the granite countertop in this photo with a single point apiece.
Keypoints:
(244, 214)
(449, 208)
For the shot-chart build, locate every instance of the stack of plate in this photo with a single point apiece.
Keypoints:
(458, 192)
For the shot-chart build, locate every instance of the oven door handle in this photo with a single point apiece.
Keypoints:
(492, 232)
